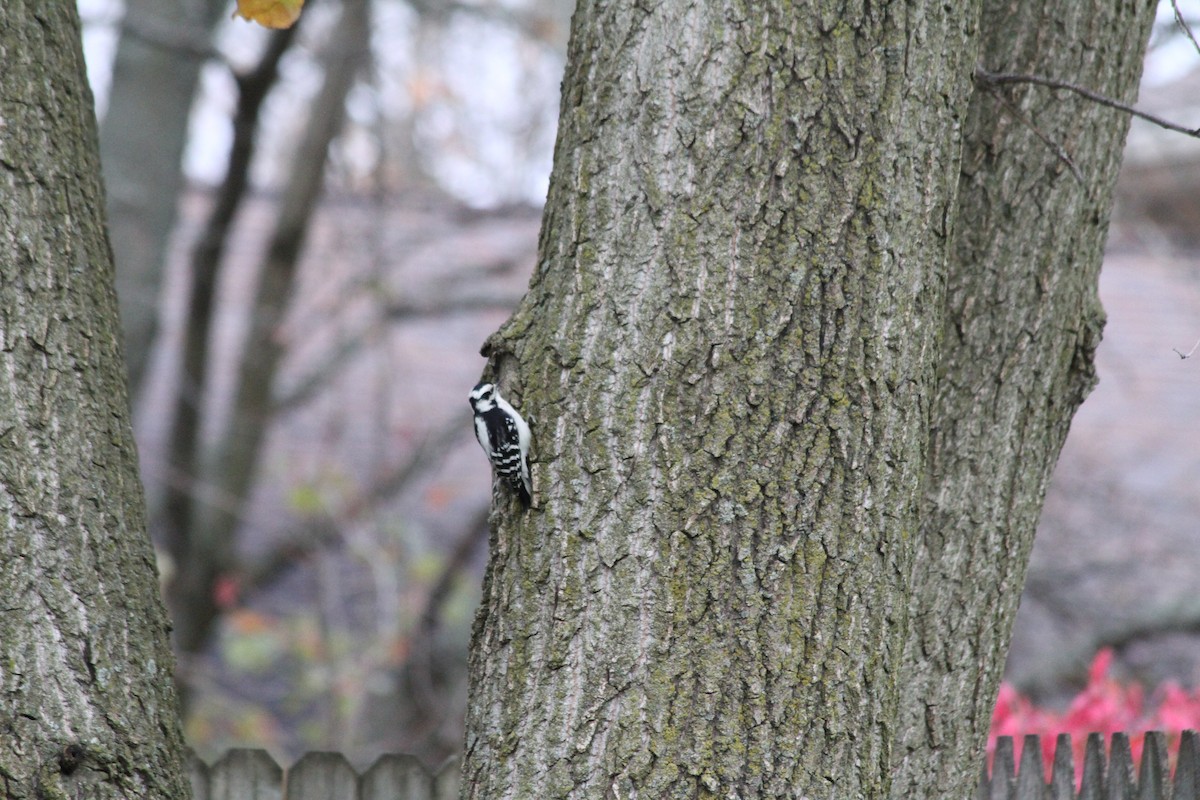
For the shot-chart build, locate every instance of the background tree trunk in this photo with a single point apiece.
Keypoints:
(208, 536)
(728, 351)
(163, 45)
(202, 559)
(1022, 322)
(87, 704)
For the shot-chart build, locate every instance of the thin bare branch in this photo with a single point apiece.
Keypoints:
(1058, 149)
(1188, 354)
(1183, 23)
(236, 455)
(1006, 78)
(464, 301)
(325, 530)
(342, 352)
(191, 42)
(207, 533)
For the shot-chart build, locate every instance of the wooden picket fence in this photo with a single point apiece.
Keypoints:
(254, 775)
(1110, 778)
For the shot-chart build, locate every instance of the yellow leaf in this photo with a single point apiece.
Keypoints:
(270, 13)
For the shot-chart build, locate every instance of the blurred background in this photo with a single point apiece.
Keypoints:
(315, 231)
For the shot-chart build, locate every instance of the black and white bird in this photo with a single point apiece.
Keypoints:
(504, 436)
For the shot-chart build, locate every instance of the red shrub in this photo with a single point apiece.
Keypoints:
(1105, 706)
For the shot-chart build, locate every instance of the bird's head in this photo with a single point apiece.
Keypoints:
(483, 397)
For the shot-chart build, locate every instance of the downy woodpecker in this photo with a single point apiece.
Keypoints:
(504, 436)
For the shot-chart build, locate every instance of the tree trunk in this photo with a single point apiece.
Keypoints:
(87, 705)
(191, 593)
(728, 350)
(791, 381)
(233, 465)
(1022, 322)
(163, 45)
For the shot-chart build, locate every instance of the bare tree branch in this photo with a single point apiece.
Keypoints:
(253, 88)
(199, 559)
(1058, 149)
(207, 533)
(1188, 354)
(993, 79)
(236, 454)
(342, 352)
(192, 42)
(324, 530)
(1183, 23)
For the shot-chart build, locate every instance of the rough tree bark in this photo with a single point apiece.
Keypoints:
(727, 349)
(87, 705)
(747, 352)
(163, 45)
(1022, 321)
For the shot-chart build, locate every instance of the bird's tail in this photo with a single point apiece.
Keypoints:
(522, 485)
(523, 492)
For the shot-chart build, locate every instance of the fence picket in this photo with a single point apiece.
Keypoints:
(397, 777)
(245, 775)
(1062, 774)
(1154, 775)
(1092, 785)
(1031, 780)
(1187, 768)
(1120, 783)
(322, 776)
(1004, 774)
